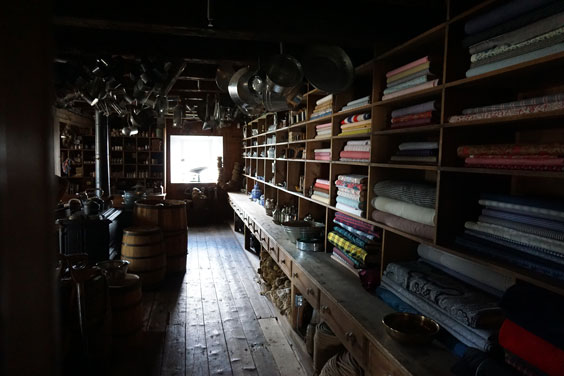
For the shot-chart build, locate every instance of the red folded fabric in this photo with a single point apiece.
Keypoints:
(412, 123)
(322, 186)
(355, 154)
(421, 115)
(511, 149)
(516, 161)
(317, 189)
(322, 157)
(531, 348)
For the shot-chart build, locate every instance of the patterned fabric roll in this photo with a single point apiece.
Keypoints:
(405, 210)
(344, 244)
(414, 193)
(466, 151)
(368, 237)
(352, 203)
(356, 118)
(415, 109)
(539, 231)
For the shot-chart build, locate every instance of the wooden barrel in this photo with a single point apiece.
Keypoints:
(143, 248)
(169, 215)
(127, 306)
(176, 247)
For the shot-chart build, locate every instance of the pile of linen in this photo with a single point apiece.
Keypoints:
(356, 125)
(540, 157)
(322, 154)
(424, 152)
(321, 191)
(513, 33)
(522, 231)
(356, 151)
(323, 107)
(532, 336)
(406, 206)
(414, 116)
(351, 193)
(323, 130)
(470, 314)
(410, 78)
(533, 105)
(356, 103)
(357, 244)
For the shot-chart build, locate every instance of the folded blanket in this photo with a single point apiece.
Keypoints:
(524, 33)
(359, 100)
(323, 126)
(507, 255)
(355, 154)
(368, 237)
(352, 196)
(418, 153)
(355, 132)
(358, 142)
(420, 115)
(353, 178)
(536, 54)
(356, 223)
(407, 66)
(321, 194)
(515, 104)
(532, 349)
(318, 116)
(418, 145)
(526, 228)
(349, 209)
(357, 148)
(316, 189)
(347, 246)
(356, 118)
(415, 109)
(462, 302)
(413, 89)
(369, 247)
(466, 151)
(525, 219)
(401, 158)
(325, 150)
(534, 211)
(351, 203)
(322, 157)
(477, 273)
(325, 99)
(405, 85)
(537, 310)
(356, 125)
(412, 123)
(513, 162)
(414, 193)
(317, 197)
(324, 131)
(477, 338)
(351, 191)
(405, 225)
(355, 186)
(523, 110)
(407, 72)
(501, 13)
(349, 259)
(322, 186)
(405, 210)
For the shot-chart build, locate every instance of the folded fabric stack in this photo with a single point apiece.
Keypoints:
(323, 107)
(405, 205)
(522, 231)
(356, 103)
(414, 116)
(544, 103)
(356, 125)
(540, 157)
(357, 245)
(532, 336)
(322, 154)
(351, 193)
(323, 130)
(513, 33)
(356, 151)
(321, 191)
(410, 78)
(469, 314)
(417, 152)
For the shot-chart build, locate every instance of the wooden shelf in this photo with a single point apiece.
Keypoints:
(493, 171)
(420, 129)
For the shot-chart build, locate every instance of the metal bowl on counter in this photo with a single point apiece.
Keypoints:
(310, 245)
(114, 270)
(303, 230)
(410, 328)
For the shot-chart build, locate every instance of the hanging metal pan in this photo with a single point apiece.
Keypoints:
(241, 93)
(328, 68)
(223, 75)
(283, 74)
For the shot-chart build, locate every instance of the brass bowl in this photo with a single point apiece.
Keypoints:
(409, 328)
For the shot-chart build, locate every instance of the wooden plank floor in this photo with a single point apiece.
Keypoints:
(211, 320)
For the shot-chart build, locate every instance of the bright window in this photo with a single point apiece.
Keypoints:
(193, 159)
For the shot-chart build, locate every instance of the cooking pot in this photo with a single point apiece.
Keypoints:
(328, 68)
(283, 74)
(242, 94)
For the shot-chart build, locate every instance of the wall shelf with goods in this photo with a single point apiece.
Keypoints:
(478, 136)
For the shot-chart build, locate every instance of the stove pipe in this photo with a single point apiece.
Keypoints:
(102, 140)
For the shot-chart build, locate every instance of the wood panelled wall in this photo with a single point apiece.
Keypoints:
(232, 138)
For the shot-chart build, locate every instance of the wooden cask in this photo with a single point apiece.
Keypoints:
(143, 248)
(127, 306)
(176, 247)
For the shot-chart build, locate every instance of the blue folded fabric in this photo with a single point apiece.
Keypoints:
(501, 14)
(526, 201)
(525, 219)
(355, 239)
(522, 227)
(352, 203)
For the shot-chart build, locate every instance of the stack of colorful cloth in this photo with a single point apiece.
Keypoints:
(410, 78)
(468, 313)
(323, 130)
(415, 116)
(356, 151)
(532, 336)
(322, 154)
(356, 125)
(513, 33)
(540, 157)
(357, 244)
(356, 103)
(417, 152)
(544, 103)
(323, 107)
(523, 231)
(406, 206)
(321, 191)
(351, 193)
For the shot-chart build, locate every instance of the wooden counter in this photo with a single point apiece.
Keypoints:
(353, 314)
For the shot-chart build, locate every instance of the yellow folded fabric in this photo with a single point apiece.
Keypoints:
(355, 132)
(415, 69)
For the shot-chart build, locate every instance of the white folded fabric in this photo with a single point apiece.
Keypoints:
(348, 209)
(405, 210)
(327, 150)
(350, 196)
(324, 99)
(357, 148)
(358, 142)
